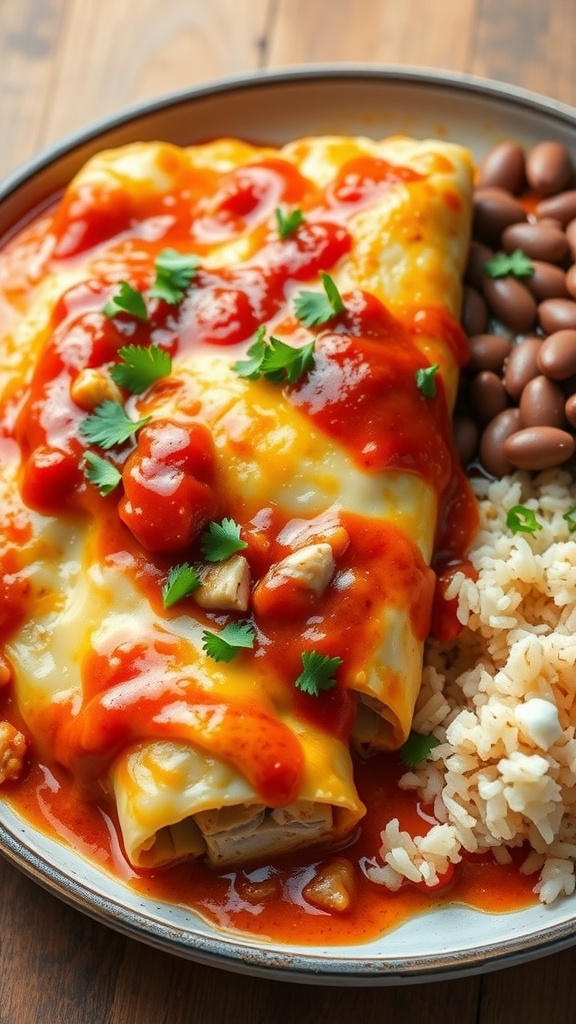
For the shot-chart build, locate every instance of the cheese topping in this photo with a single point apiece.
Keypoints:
(196, 387)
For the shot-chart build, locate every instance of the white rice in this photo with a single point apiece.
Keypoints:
(501, 700)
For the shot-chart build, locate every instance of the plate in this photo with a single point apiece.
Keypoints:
(275, 107)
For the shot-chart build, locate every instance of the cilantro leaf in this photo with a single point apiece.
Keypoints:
(250, 367)
(174, 272)
(315, 308)
(141, 367)
(520, 519)
(127, 300)
(221, 540)
(288, 222)
(416, 748)
(282, 361)
(570, 517)
(503, 264)
(317, 673)
(224, 646)
(103, 474)
(275, 360)
(109, 425)
(182, 580)
(426, 380)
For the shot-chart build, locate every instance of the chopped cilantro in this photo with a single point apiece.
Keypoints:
(127, 300)
(109, 425)
(275, 360)
(288, 222)
(221, 540)
(141, 366)
(182, 580)
(224, 646)
(426, 380)
(503, 264)
(174, 272)
(317, 673)
(520, 519)
(416, 748)
(315, 308)
(250, 367)
(103, 474)
(285, 362)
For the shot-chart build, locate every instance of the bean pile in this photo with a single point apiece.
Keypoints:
(517, 400)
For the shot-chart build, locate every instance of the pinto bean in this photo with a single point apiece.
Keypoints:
(548, 281)
(492, 441)
(488, 352)
(512, 303)
(557, 355)
(494, 210)
(488, 395)
(562, 207)
(474, 317)
(522, 366)
(570, 410)
(549, 168)
(542, 404)
(538, 448)
(503, 167)
(538, 241)
(557, 315)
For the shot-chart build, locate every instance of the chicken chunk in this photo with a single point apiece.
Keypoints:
(297, 581)
(333, 887)
(225, 585)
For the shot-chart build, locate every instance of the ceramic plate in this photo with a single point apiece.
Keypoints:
(274, 108)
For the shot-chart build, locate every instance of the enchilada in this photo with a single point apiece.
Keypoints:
(228, 376)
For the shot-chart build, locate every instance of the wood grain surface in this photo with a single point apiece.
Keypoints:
(64, 63)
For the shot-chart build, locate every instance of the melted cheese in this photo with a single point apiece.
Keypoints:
(109, 681)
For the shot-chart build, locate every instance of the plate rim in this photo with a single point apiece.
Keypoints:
(226, 951)
(222, 951)
(512, 95)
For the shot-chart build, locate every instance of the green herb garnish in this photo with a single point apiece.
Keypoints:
(225, 645)
(250, 367)
(315, 308)
(503, 264)
(288, 222)
(416, 748)
(570, 517)
(127, 300)
(182, 580)
(103, 474)
(174, 272)
(318, 673)
(141, 366)
(520, 519)
(221, 540)
(275, 360)
(109, 425)
(426, 380)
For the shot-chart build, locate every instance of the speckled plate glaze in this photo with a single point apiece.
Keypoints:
(275, 107)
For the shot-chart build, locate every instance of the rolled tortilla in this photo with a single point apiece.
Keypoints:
(148, 728)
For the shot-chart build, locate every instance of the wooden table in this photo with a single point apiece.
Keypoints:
(64, 63)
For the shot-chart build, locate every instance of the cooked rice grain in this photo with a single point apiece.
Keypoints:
(501, 701)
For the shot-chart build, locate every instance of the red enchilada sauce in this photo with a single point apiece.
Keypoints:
(270, 899)
(361, 392)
